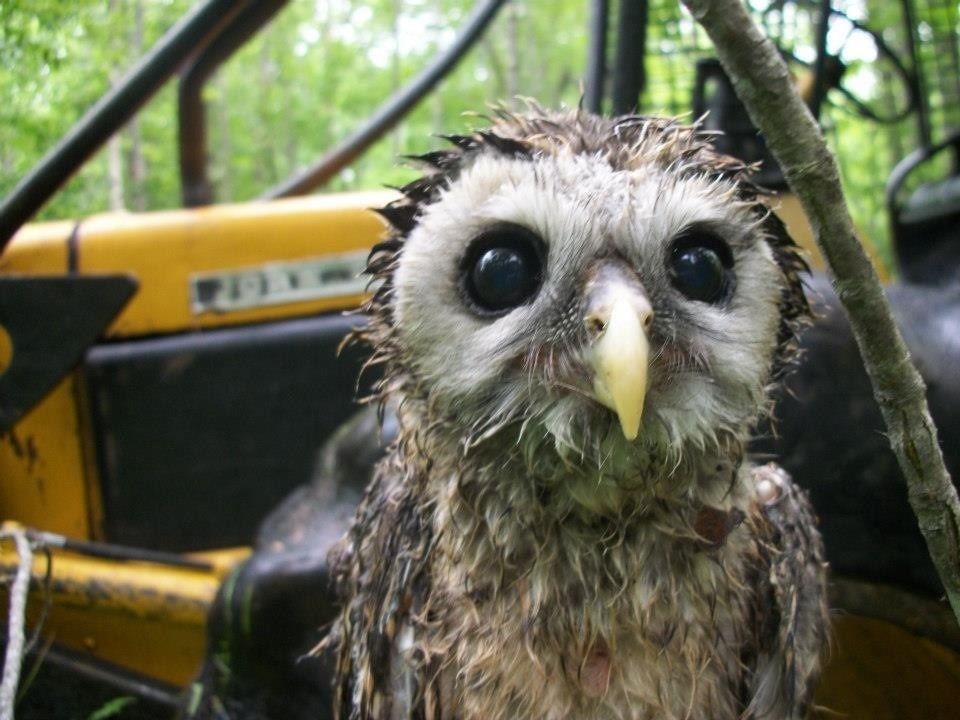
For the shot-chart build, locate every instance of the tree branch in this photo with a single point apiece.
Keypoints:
(763, 84)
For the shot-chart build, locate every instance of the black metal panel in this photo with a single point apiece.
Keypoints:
(200, 435)
(50, 322)
(830, 436)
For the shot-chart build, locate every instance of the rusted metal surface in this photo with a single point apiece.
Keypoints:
(196, 189)
(144, 616)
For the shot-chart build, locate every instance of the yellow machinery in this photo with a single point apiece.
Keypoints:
(274, 261)
(199, 397)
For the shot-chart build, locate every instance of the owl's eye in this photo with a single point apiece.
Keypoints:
(502, 269)
(700, 265)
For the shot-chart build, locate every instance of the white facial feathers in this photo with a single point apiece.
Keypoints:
(709, 362)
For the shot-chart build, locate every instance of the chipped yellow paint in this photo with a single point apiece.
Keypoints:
(43, 477)
(145, 617)
(46, 461)
(44, 483)
(38, 249)
(221, 561)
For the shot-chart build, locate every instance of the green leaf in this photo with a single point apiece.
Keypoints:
(112, 708)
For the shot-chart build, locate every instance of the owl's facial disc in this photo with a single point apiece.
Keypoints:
(618, 316)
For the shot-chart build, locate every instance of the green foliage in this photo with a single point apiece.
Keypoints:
(113, 708)
(292, 93)
(324, 66)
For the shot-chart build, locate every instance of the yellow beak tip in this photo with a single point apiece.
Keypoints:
(630, 429)
(620, 357)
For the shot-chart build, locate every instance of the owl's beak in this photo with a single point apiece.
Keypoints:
(617, 320)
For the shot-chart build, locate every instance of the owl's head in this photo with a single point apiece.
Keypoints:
(572, 280)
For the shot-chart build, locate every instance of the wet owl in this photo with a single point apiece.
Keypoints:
(578, 320)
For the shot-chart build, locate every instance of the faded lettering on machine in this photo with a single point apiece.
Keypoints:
(279, 282)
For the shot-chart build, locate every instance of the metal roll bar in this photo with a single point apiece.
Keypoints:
(113, 110)
(390, 112)
(195, 187)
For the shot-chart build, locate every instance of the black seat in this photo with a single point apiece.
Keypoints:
(925, 225)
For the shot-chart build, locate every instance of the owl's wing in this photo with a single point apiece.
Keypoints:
(381, 573)
(792, 616)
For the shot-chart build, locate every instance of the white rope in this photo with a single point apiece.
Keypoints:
(15, 623)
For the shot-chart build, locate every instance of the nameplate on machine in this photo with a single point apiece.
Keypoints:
(277, 283)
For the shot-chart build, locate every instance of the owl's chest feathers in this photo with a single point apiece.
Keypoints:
(585, 615)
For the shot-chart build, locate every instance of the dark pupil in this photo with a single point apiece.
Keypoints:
(503, 277)
(698, 273)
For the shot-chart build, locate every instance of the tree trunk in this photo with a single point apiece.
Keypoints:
(265, 172)
(115, 173)
(136, 162)
(499, 89)
(222, 149)
(114, 147)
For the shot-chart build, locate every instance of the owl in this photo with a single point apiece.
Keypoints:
(578, 321)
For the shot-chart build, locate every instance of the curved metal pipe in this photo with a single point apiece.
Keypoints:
(111, 112)
(390, 112)
(597, 56)
(195, 187)
(629, 74)
(898, 177)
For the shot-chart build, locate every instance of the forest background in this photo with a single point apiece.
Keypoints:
(323, 66)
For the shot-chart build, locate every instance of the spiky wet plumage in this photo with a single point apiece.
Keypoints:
(515, 556)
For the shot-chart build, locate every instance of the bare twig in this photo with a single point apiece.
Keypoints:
(762, 82)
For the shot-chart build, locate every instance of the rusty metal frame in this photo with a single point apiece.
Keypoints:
(196, 189)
